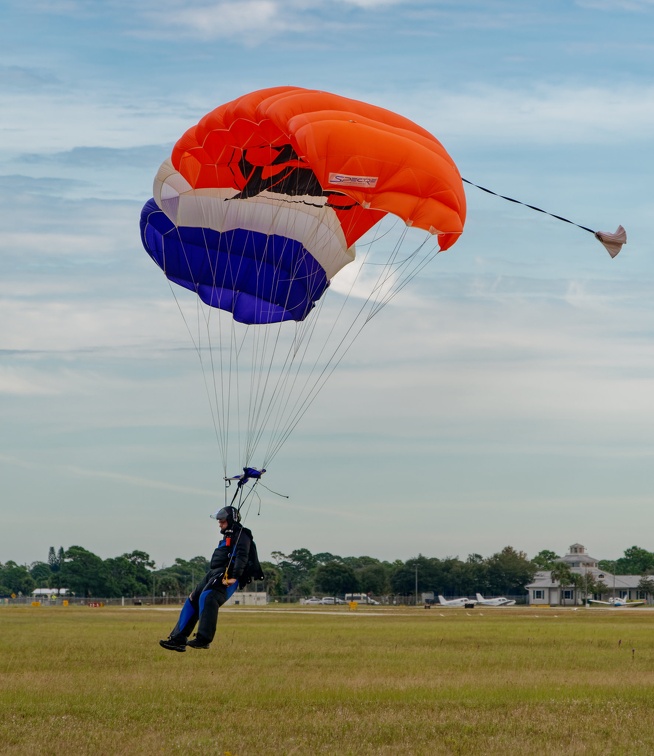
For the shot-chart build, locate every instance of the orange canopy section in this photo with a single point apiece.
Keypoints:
(366, 160)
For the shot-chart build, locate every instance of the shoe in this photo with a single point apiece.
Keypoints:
(173, 645)
(197, 643)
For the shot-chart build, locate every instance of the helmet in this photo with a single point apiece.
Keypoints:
(231, 514)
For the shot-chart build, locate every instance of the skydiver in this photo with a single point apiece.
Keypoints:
(234, 563)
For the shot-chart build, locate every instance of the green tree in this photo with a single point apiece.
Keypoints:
(562, 574)
(323, 557)
(187, 573)
(372, 575)
(358, 563)
(15, 578)
(143, 567)
(447, 578)
(121, 577)
(470, 576)
(336, 579)
(41, 573)
(545, 559)
(84, 573)
(509, 571)
(426, 572)
(373, 578)
(593, 586)
(578, 582)
(199, 564)
(636, 561)
(167, 584)
(56, 561)
(273, 581)
(297, 571)
(646, 584)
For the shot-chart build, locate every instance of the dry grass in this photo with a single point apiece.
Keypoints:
(81, 680)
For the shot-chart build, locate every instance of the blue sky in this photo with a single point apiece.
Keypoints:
(505, 399)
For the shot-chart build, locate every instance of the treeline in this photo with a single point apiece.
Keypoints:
(300, 573)
(86, 574)
(636, 561)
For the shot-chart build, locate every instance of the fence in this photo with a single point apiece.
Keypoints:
(240, 598)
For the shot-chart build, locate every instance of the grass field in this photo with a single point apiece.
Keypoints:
(80, 680)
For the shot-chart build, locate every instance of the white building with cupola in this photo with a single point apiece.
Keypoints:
(591, 583)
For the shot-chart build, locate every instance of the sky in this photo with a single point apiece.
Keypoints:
(505, 399)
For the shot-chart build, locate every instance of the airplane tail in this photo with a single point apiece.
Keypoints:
(480, 598)
(441, 600)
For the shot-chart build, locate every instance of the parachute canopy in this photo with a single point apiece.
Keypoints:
(257, 211)
(261, 203)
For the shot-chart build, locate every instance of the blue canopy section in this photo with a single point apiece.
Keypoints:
(259, 278)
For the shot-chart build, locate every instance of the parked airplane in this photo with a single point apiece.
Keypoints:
(468, 603)
(501, 601)
(616, 602)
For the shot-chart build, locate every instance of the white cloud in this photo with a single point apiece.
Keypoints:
(71, 326)
(86, 119)
(31, 382)
(59, 245)
(137, 481)
(248, 21)
(84, 472)
(542, 114)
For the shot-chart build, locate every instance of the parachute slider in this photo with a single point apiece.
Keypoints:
(611, 242)
(249, 473)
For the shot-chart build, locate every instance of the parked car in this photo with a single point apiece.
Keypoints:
(311, 600)
(331, 600)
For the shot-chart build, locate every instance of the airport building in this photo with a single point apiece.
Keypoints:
(590, 582)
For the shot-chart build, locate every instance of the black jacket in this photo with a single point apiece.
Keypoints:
(232, 552)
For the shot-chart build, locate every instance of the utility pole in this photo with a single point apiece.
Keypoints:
(416, 583)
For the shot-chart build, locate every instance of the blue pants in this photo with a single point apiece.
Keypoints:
(202, 605)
